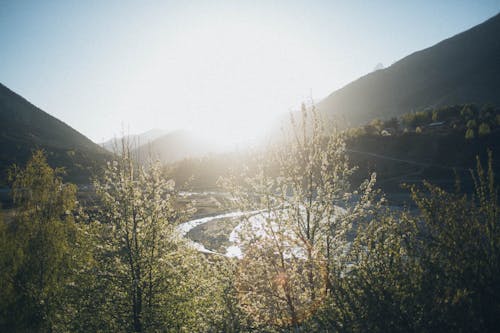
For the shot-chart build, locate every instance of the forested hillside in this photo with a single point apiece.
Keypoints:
(439, 145)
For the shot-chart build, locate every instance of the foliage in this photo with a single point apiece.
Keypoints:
(419, 118)
(471, 124)
(150, 278)
(484, 129)
(448, 118)
(432, 270)
(317, 256)
(37, 252)
(469, 134)
(293, 247)
(122, 267)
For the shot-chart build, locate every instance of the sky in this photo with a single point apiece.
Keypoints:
(224, 70)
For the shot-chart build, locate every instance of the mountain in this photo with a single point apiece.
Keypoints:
(462, 69)
(25, 128)
(135, 140)
(174, 146)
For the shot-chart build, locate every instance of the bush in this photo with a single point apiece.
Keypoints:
(484, 129)
(433, 270)
(469, 134)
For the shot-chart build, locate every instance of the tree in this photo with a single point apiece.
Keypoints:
(484, 129)
(377, 124)
(9, 259)
(134, 233)
(376, 292)
(458, 246)
(153, 281)
(294, 247)
(392, 123)
(471, 124)
(467, 112)
(39, 247)
(469, 134)
(434, 269)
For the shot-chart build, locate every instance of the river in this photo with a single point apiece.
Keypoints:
(233, 250)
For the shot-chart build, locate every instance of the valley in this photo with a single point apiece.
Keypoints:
(373, 209)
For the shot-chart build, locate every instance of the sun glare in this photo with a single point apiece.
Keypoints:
(228, 80)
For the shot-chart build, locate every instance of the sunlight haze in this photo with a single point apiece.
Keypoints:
(224, 70)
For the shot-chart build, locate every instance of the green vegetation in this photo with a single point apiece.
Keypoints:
(150, 278)
(281, 276)
(37, 248)
(416, 148)
(469, 134)
(435, 270)
(120, 267)
(439, 120)
(396, 151)
(484, 129)
(323, 253)
(323, 250)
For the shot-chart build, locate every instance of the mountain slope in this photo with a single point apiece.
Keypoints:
(462, 69)
(24, 128)
(173, 147)
(133, 139)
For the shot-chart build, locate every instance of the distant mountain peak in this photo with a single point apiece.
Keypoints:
(135, 140)
(174, 146)
(378, 67)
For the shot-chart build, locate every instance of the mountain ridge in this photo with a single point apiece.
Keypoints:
(133, 139)
(174, 146)
(464, 68)
(25, 128)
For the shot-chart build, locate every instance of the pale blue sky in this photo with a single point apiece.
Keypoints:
(219, 68)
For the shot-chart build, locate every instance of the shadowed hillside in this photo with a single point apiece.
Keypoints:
(25, 128)
(173, 147)
(462, 69)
